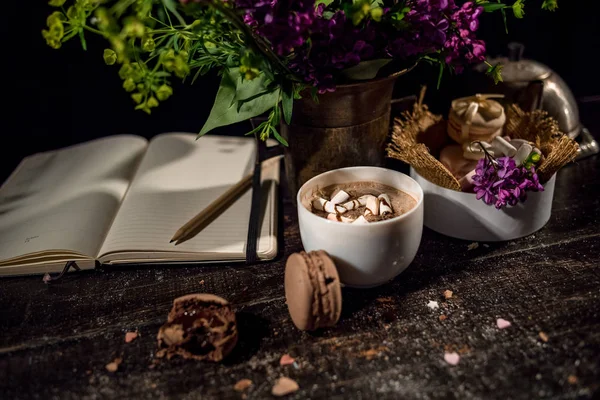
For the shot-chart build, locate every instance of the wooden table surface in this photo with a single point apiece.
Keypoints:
(55, 340)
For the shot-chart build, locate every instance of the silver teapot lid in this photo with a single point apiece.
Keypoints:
(517, 69)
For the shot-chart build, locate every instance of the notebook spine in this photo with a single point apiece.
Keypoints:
(262, 153)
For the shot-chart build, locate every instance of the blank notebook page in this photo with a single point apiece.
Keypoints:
(66, 199)
(179, 177)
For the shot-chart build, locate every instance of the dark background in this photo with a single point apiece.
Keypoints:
(54, 98)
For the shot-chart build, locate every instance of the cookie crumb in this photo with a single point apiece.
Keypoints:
(443, 317)
(473, 246)
(543, 336)
(130, 337)
(572, 379)
(202, 282)
(284, 386)
(114, 365)
(452, 358)
(242, 385)
(433, 304)
(153, 385)
(385, 299)
(286, 360)
(448, 294)
(502, 323)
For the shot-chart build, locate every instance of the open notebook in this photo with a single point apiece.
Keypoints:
(120, 199)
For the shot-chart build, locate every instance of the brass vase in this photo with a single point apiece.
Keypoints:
(345, 128)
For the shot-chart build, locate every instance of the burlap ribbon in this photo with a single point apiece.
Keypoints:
(467, 107)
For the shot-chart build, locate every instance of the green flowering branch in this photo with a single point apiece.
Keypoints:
(518, 7)
(152, 43)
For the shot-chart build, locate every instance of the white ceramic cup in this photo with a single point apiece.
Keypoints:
(365, 255)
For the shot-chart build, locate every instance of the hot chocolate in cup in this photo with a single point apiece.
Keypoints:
(367, 254)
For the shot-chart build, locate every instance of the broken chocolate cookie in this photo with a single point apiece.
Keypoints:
(199, 326)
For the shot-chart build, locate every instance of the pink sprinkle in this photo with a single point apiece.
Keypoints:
(286, 360)
(452, 358)
(130, 337)
(502, 323)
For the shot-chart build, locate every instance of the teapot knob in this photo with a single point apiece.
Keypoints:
(515, 51)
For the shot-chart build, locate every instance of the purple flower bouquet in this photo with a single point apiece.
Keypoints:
(270, 52)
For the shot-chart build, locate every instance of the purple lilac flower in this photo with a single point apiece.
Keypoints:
(284, 23)
(429, 25)
(336, 44)
(500, 182)
(462, 46)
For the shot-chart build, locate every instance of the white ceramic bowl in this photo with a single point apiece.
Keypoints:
(461, 215)
(365, 255)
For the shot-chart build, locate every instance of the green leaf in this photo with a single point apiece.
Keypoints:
(326, 2)
(244, 89)
(549, 5)
(287, 102)
(82, 38)
(491, 7)
(171, 6)
(439, 81)
(241, 102)
(278, 136)
(365, 69)
(232, 88)
(495, 72)
(253, 131)
(518, 9)
(504, 18)
(314, 94)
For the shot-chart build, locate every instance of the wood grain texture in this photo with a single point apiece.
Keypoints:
(56, 340)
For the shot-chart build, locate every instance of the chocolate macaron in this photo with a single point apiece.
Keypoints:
(200, 326)
(312, 290)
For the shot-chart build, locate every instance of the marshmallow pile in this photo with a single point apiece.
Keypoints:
(517, 149)
(340, 203)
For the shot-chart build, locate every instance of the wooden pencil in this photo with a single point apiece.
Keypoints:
(214, 209)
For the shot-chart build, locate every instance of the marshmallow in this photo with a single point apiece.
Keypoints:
(385, 205)
(352, 204)
(361, 201)
(325, 205)
(339, 218)
(523, 153)
(340, 197)
(360, 220)
(502, 147)
(372, 207)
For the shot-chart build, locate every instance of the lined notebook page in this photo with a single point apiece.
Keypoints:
(179, 177)
(67, 199)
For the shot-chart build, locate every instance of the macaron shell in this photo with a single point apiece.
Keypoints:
(327, 303)
(334, 288)
(320, 305)
(299, 291)
(452, 158)
(179, 302)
